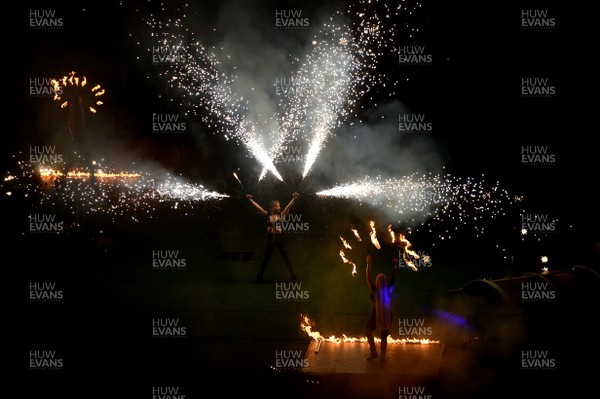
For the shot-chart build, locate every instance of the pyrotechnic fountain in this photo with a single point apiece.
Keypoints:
(339, 69)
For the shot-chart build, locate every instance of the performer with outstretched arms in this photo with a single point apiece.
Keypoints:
(381, 315)
(274, 234)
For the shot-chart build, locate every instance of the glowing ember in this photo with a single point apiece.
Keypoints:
(237, 178)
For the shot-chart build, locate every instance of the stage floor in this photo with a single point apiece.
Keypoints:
(411, 359)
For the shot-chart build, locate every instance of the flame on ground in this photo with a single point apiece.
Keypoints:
(49, 173)
(307, 326)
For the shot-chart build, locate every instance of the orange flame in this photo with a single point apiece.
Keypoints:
(357, 235)
(373, 235)
(47, 173)
(346, 245)
(408, 251)
(392, 233)
(343, 256)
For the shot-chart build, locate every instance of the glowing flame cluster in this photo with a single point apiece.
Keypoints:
(71, 88)
(405, 246)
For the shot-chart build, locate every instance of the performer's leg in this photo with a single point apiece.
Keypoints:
(384, 337)
(369, 330)
(286, 258)
(269, 246)
(69, 160)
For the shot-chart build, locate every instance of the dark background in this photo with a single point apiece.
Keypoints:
(472, 92)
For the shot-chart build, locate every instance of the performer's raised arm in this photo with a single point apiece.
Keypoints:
(289, 205)
(368, 273)
(394, 272)
(275, 226)
(256, 205)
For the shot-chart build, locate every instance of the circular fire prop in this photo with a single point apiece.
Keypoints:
(74, 93)
(79, 99)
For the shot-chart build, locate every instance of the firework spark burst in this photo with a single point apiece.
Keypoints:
(430, 198)
(337, 72)
(196, 73)
(342, 69)
(107, 191)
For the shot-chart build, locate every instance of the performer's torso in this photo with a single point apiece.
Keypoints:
(274, 223)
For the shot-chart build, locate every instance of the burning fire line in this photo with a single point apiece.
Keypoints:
(307, 326)
(46, 173)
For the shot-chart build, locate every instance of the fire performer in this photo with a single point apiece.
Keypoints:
(381, 315)
(274, 234)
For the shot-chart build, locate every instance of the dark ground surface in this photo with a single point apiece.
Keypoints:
(102, 328)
